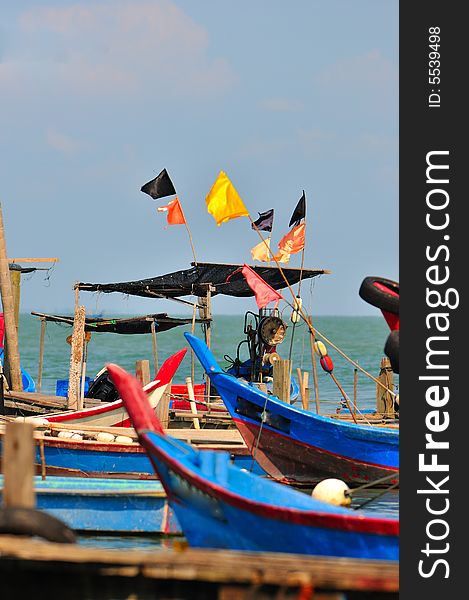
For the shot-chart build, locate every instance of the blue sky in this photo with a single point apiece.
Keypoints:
(98, 97)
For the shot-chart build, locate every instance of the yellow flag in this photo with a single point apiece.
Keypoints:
(261, 251)
(223, 201)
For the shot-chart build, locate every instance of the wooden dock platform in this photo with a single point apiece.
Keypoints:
(49, 570)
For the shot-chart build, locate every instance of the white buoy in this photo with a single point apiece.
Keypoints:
(105, 437)
(332, 491)
(76, 436)
(123, 439)
(65, 435)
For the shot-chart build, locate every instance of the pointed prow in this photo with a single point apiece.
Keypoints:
(135, 400)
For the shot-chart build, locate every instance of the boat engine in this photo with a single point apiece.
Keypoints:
(263, 331)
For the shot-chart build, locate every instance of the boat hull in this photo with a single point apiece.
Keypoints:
(106, 506)
(297, 446)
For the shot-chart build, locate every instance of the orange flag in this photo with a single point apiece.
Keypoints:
(293, 241)
(174, 210)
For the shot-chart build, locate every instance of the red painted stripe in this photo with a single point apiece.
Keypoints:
(352, 523)
(383, 288)
(341, 456)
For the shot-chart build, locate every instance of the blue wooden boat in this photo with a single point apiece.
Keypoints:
(221, 506)
(297, 446)
(92, 458)
(106, 505)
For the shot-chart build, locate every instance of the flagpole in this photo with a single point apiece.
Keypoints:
(313, 330)
(188, 232)
(190, 240)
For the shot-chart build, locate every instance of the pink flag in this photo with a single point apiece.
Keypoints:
(262, 290)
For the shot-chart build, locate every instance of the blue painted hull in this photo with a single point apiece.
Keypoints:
(95, 459)
(106, 506)
(219, 506)
(297, 446)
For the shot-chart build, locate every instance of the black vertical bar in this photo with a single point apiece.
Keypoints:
(433, 234)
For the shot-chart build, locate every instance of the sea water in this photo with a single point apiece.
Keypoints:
(360, 338)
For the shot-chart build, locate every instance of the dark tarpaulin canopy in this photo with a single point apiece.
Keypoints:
(125, 326)
(194, 281)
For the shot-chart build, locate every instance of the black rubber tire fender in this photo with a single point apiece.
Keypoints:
(379, 298)
(391, 349)
(31, 522)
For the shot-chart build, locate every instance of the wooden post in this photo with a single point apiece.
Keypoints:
(162, 408)
(16, 287)
(155, 348)
(190, 391)
(76, 357)
(41, 354)
(384, 400)
(11, 354)
(315, 371)
(281, 385)
(18, 465)
(142, 371)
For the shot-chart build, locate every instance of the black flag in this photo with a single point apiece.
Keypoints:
(299, 212)
(159, 187)
(265, 220)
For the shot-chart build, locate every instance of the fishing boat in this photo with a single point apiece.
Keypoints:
(116, 506)
(297, 446)
(113, 414)
(221, 506)
(114, 452)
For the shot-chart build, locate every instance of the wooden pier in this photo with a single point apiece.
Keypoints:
(77, 572)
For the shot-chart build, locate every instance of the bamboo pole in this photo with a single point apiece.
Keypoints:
(306, 390)
(155, 347)
(190, 391)
(192, 351)
(300, 384)
(355, 384)
(344, 395)
(41, 354)
(11, 354)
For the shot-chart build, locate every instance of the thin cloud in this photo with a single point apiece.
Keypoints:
(110, 48)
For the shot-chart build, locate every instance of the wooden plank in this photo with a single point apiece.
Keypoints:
(18, 466)
(217, 566)
(33, 260)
